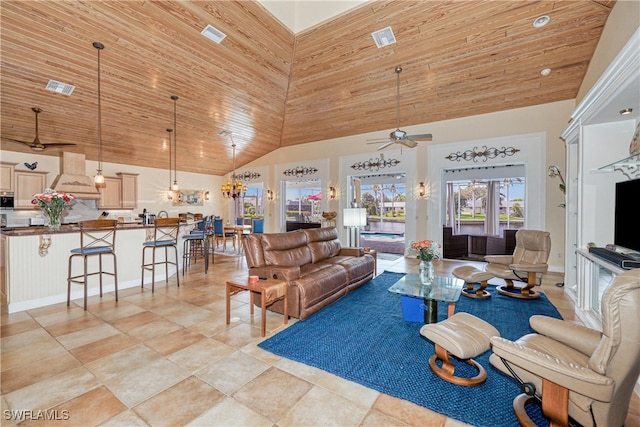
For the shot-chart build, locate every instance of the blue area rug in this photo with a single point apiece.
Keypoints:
(363, 337)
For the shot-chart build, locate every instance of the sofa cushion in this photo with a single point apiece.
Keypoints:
(286, 248)
(357, 267)
(316, 286)
(323, 243)
(253, 250)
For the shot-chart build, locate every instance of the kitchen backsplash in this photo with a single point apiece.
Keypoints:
(81, 210)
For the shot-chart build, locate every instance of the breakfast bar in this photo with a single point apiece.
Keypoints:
(34, 263)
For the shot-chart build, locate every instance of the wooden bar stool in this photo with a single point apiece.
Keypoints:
(165, 236)
(97, 237)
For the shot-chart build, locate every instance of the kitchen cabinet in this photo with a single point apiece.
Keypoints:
(121, 192)
(26, 185)
(111, 194)
(7, 182)
(129, 190)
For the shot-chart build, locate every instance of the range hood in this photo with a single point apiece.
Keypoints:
(73, 178)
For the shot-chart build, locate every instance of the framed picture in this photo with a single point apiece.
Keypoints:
(189, 198)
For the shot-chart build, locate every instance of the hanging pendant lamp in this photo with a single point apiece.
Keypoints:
(232, 189)
(99, 178)
(175, 187)
(170, 192)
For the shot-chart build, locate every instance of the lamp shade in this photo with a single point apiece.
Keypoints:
(354, 217)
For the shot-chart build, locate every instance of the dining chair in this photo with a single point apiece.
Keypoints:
(219, 233)
(257, 225)
(97, 237)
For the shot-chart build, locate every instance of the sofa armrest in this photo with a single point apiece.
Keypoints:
(351, 252)
(287, 273)
(580, 338)
(581, 380)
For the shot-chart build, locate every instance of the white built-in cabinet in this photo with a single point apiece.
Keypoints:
(6, 177)
(597, 150)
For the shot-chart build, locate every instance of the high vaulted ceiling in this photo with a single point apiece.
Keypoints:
(268, 86)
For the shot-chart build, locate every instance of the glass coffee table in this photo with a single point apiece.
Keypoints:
(445, 289)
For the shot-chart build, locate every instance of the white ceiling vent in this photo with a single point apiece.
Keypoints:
(58, 87)
(383, 37)
(213, 33)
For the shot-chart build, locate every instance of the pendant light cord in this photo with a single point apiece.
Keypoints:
(398, 71)
(99, 46)
(175, 141)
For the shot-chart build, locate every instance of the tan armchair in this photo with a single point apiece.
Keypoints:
(576, 371)
(529, 260)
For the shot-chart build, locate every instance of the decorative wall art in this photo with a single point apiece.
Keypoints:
(484, 154)
(300, 171)
(189, 198)
(375, 164)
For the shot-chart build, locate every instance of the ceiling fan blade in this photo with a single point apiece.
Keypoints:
(423, 137)
(57, 144)
(409, 143)
(378, 139)
(17, 140)
(385, 145)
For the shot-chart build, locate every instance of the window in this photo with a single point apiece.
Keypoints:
(253, 202)
(303, 201)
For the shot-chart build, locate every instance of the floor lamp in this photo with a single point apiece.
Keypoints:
(354, 218)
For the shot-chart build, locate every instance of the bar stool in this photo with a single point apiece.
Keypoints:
(195, 246)
(97, 237)
(165, 236)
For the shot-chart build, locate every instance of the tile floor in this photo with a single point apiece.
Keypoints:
(168, 358)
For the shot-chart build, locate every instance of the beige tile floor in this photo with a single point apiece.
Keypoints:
(168, 358)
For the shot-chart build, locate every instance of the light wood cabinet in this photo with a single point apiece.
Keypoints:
(129, 190)
(121, 192)
(7, 182)
(26, 185)
(111, 194)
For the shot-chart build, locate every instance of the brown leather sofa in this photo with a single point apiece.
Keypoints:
(317, 268)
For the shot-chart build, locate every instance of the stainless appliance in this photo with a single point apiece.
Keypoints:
(149, 218)
(6, 201)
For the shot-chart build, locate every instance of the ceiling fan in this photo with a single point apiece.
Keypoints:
(36, 145)
(399, 136)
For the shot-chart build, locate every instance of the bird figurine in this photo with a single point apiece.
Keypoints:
(31, 166)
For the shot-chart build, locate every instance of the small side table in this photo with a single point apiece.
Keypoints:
(374, 254)
(270, 291)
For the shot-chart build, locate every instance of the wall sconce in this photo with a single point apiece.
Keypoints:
(270, 195)
(206, 195)
(332, 193)
(422, 189)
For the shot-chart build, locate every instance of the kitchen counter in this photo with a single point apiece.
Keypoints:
(34, 262)
(73, 228)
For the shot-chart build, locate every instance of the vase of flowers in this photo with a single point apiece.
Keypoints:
(53, 204)
(426, 251)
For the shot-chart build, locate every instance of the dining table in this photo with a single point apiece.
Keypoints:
(241, 230)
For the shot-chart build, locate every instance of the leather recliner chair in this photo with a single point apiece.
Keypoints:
(529, 259)
(576, 371)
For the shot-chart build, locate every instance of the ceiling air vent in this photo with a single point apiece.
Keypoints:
(213, 33)
(58, 87)
(383, 37)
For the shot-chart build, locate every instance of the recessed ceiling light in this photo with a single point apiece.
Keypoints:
(541, 21)
(626, 111)
(546, 71)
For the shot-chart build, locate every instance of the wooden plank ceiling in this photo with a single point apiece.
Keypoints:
(268, 86)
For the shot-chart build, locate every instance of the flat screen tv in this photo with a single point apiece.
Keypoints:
(627, 215)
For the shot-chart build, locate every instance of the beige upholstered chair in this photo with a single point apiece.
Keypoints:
(579, 372)
(529, 260)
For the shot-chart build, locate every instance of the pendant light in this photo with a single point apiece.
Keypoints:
(232, 189)
(99, 179)
(170, 192)
(175, 187)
